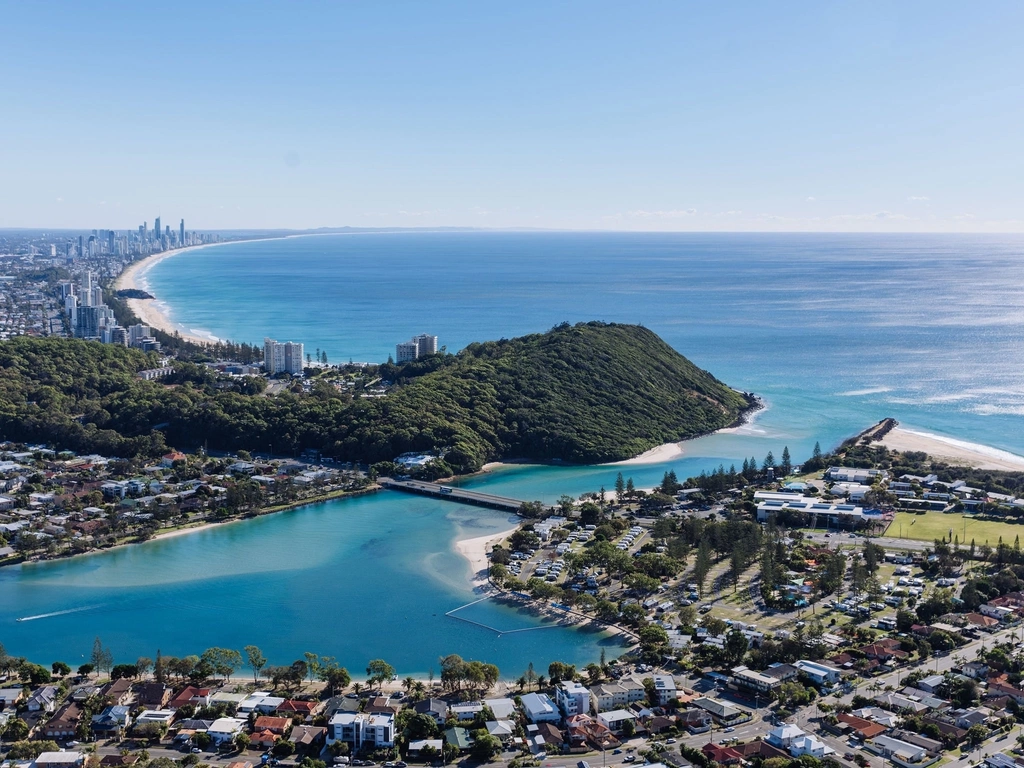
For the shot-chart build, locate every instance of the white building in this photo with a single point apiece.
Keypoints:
(282, 358)
(617, 695)
(820, 674)
(615, 719)
(415, 348)
(539, 708)
(224, 729)
(664, 688)
(362, 728)
(572, 698)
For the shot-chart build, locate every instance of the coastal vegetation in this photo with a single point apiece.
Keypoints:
(588, 393)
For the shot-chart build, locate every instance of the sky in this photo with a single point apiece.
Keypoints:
(757, 116)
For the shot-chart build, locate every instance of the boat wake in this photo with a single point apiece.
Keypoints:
(59, 613)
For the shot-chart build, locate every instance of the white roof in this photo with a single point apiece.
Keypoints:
(227, 725)
(616, 715)
(59, 758)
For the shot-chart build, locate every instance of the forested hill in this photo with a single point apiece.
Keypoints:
(587, 393)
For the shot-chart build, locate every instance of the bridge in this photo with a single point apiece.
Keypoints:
(449, 493)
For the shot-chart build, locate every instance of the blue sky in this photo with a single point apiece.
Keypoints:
(588, 115)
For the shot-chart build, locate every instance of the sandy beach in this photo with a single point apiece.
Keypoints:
(953, 451)
(147, 310)
(475, 550)
(657, 455)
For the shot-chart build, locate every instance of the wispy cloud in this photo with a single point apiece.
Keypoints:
(677, 213)
(918, 198)
(877, 216)
(811, 199)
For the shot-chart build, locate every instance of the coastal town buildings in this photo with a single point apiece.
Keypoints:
(415, 348)
(287, 357)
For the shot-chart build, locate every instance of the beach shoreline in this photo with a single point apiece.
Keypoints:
(147, 310)
(475, 551)
(952, 450)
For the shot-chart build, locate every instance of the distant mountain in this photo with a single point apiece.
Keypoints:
(592, 392)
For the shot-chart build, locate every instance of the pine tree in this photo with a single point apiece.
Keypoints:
(620, 485)
(769, 461)
(787, 465)
(159, 674)
(817, 451)
(746, 468)
(630, 488)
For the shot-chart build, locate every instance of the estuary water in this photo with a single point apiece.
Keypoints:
(834, 331)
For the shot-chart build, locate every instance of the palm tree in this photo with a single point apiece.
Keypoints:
(521, 682)
(541, 681)
(357, 687)
(419, 690)
(408, 683)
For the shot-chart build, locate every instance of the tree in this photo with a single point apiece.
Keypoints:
(242, 741)
(60, 668)
(769, 462)
(119, 671)
(17, 729)
(142, 666)
(628, 729)
(256, 660)
(703, 564)
(735, 646)
(485, 746)
(30, 750)
(85, 669)
(222, 661)
(630, 488)
(380, 672)
(977, 733)
(159, 670)
(620, 486)
(559, 671)
(312, 664)
(101, 658)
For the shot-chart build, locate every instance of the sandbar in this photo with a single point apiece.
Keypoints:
(475, 550)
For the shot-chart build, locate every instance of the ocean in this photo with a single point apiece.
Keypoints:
(835, 332)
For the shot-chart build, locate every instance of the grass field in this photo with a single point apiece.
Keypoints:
(937, 525)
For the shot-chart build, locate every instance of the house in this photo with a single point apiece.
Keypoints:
(997, 612)
(361, 728)
(276, 725)
(503, 730)
(435, 708)
(1005, 689)
(503, 709)
(168, 459)
(231, 700)
(422, 747)
(982, 621)
(695, 720)
(459, 739)
(466, 712)
(224, 729)
(538, 708)
(118, 761)
(572, 698)
(64, 724)
(158, 716)
(298, 707)
(585, 732)
(931, 683)
(902, 750)
(43, 699)
(112, 721)
(819, 674)
(153, 695)
(118, 691)
(760, 748)
(723, 713)
(783, 736)
(865, 729)
(197, 697)
(263, 739)
(616, 719)
(260, 701)
(59, 760)
(9, 697)
(965, 718)
(721, 755)
(899, 703)
(310, 738)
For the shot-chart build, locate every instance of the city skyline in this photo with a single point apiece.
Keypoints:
(655, 117)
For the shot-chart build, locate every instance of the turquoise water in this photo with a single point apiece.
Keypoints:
(835, 332)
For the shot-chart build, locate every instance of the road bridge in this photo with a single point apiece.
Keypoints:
(450, 493)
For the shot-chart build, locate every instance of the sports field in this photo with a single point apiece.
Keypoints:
(937, 525)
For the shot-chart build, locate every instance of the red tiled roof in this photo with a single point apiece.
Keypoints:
(866, 728)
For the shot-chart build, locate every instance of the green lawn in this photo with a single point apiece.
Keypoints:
(937, 525)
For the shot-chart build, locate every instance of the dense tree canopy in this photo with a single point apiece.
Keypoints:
(586, 393)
